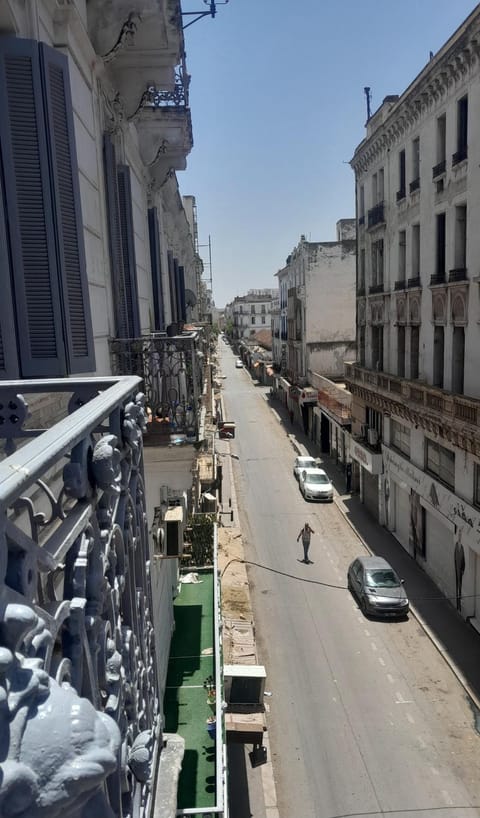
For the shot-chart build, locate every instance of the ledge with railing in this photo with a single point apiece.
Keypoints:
(77, 636)
(376, 215)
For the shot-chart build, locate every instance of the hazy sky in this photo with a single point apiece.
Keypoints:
(278, 108)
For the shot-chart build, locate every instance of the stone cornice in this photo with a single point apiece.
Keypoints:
(428, 92)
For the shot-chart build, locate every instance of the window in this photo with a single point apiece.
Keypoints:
(156, 266)
(381, 186)
(401, 176)
(460, 238)
(374, 189)
(458, 360)
(415, 251)
(361, 344)
(438, 355)
(377, 262)
(401, 351)
(253, 319)
(441, 139)
(361, 272)
(45, 321)
(440, 255)
(414, 352)
(252, 309)
(263, 319)
(400, 437)
(361, 205)
(462, 131)
(415, 183)
(476, 484)
(377, 348)
(263, 309)
(402, 255)
(440, 462)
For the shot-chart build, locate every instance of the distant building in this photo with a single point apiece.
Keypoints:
(251, 313)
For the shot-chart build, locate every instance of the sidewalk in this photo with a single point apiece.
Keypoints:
(455, 638)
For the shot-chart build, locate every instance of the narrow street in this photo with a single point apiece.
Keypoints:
(366, 717)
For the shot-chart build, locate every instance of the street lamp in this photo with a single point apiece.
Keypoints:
(199, 14)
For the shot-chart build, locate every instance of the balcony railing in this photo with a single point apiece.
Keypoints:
(437, 278)
(414, 282)
(376, 288)
(376, 215)
(400, 285)
(361, 220)
(401, 194)
(361, 289)
(460, 155)
(171, 368)
(458, 274)
(415, 185)
(79, 654)
(439, 170)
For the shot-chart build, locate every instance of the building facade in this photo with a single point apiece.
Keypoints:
(415, 385)
(250, 313)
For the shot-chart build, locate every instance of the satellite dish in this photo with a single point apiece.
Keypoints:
(190, 298)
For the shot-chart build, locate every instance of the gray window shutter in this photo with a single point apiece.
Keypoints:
(156, 265)
(128, 246)
(8, 347)
(115, 237)
(181, 290)
(172, 284)
(29, 211)
(68, 217)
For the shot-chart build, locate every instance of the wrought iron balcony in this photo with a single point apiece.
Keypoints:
(414, 282)
(401, 194)
(400, 285)
(437, 278)
(439, 170)
(376, 215)
(460, 155)
(376, 288)
(415, 185)
(77, 635)
(361, 289)
(172, 370)
(361, 220)
(458, 274)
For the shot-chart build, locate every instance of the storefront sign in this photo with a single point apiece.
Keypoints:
(370, 461)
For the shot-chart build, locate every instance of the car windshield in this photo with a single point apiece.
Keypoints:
(317, 478)
(307, 463)
(382, 578)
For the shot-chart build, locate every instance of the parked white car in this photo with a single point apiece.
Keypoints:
(304, 463)
(315, 485)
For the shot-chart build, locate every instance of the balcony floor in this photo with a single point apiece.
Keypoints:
(185, 703)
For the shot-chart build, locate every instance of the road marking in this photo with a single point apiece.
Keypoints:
(410, 718)
(382, 661)
(390, 678)
(374, 647)
(401, 700)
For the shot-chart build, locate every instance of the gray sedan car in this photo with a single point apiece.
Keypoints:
(377, 587)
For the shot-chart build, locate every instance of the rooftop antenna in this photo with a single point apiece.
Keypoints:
(368, 96)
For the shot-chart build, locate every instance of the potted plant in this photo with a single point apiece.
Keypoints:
(209, 686)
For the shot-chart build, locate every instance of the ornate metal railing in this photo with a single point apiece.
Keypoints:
(172, 372)
(78, 683)
(177, 97)
(376, 215)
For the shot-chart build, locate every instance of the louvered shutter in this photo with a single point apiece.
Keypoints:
(115, 237)
(181, 290)
(128, 246)
(172, 285)
(69, 227)
(8, 346)
(156, 265)
(28, 199)
(178, 316)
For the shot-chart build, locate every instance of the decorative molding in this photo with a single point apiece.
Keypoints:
(125, 38)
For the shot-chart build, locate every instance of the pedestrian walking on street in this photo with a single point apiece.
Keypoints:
(305, 534)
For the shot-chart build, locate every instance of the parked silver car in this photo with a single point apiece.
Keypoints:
(378, 588)
(315, 484)
(304, 462)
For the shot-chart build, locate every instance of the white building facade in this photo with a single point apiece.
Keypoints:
(416, 390)
(251, 313)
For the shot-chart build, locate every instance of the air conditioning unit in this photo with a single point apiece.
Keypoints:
(168, 532)
(244, 684)
(372, 437)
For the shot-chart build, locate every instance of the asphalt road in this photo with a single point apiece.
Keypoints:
(366, 718)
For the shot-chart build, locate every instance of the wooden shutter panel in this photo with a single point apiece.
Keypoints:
(69, 227)
(115, 237)
(8, 346)
(171, 281)
(181, 290)
(29, 211)
(128, 245)
(156, 265)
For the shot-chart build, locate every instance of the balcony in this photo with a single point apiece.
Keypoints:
(361, 220)
(439, 170)
(376, 215)
(414, 282)
(458, 274)
(460, 155)
(414, 185)
(431, 405)
(80, 650)
(401, 194)
(361, 290)
(400, 285)
(172, 370)
(376, 288)
(436, 279)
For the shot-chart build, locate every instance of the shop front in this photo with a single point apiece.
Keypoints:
(369, 466)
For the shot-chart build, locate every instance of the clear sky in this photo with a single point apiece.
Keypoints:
(278, 108)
